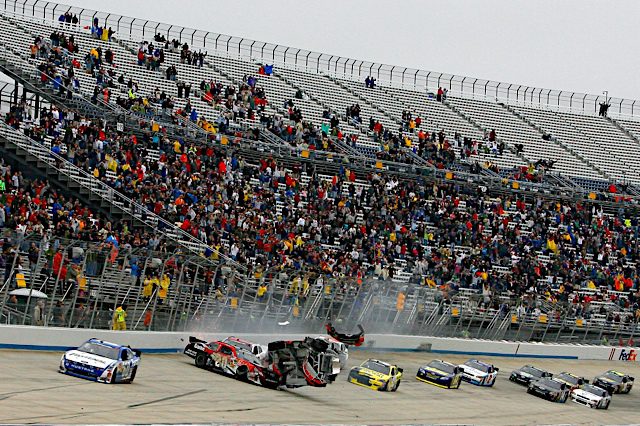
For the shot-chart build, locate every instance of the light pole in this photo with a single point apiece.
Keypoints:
(606, 96)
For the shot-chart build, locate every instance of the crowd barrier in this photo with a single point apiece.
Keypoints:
(60, 339)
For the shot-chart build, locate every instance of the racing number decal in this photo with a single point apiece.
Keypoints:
(126, 370)
(219, 361)
(455, 381)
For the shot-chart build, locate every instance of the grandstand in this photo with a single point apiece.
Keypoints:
(282, 187)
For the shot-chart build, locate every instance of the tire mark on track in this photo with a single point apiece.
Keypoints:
(166, 398)
(9, 394)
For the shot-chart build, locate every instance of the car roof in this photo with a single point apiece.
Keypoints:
(239, 340)
(444, 362)
(531, 366)
(479, 362)
(103, 343)
(377, 361)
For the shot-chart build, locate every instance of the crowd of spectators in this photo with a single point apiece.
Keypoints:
(348, 225)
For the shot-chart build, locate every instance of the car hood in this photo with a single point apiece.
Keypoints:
(523, 374)
(473, 371)
(95, 361)
(586, 394)
(436, 371)
(371, 373)
(544, 387)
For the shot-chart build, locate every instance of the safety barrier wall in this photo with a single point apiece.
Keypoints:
(59, 339)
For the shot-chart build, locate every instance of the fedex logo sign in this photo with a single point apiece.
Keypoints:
(625, 354)
(628, 355)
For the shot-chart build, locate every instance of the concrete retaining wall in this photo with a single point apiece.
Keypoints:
(59, 339)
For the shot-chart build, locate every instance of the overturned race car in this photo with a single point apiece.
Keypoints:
(228, 359)
(348, 339)
(101, 361)
(296, 363)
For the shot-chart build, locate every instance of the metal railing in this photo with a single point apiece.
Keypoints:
(294, 300)
(394, 75)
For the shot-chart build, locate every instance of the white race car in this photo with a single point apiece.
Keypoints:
(591, 396)
(479, 373)
(101, 361)
(339, 348)
(258, 350)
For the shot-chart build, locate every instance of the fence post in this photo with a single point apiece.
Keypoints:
(75, 297)
(55, 286)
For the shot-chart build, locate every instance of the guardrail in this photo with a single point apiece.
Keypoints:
(394, 75)
(60, 339)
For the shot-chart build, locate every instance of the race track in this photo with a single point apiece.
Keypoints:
(170, 389)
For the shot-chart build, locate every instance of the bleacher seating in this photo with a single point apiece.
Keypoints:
(371, 225)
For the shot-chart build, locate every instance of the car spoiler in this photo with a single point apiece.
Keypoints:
(193, 339)
(400, 369)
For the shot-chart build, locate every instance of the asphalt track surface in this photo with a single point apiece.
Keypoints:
(170, 389)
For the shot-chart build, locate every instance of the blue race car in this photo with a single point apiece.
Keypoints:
(440, 373)
(102, 362)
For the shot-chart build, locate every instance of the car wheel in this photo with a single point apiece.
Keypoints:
(606, 406)
(133, 374)
(397, 386)
(384, 387)
(201, 360)
(242, 372)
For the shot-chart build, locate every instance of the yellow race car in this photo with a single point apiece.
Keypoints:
(376, 375)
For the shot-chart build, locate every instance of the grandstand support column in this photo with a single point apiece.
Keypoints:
(209, 291)
(24, 317)
(586, 331)
(601, 332)
(186, 307)
(546, 330)
(6, 284)
(484, 317)
(181, 302)
(533, 328)
(521, 322)
(153, 298)
(75, 296)
(634, 327)
(37, 106)
(617, 331)
(177, 287)
(15, 93)
(173, 312)
(143, 274)
(563, 322)
(239, 307)
(119, 284)
(55, 285)
(353, 303)
(100, 285)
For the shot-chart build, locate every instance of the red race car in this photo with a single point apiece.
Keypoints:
(231, 360)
